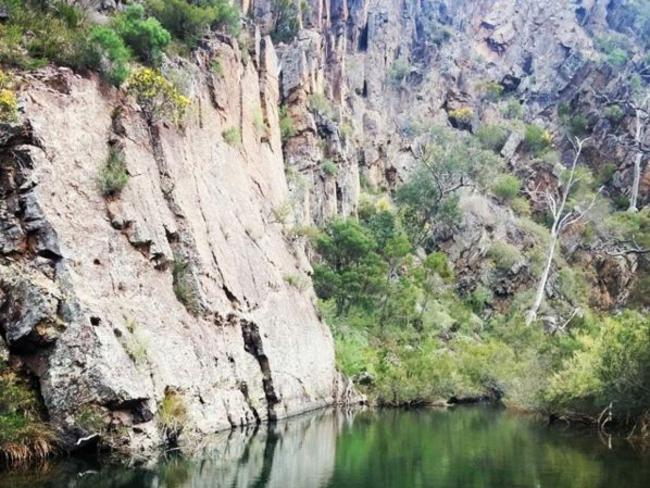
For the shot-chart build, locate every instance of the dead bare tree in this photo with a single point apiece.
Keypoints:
(562, 219)
(641, 114)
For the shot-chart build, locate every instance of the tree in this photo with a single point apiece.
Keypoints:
(447, 162)
(641, 115)
(563, 218)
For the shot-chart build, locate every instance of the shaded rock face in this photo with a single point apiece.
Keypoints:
(88, 300)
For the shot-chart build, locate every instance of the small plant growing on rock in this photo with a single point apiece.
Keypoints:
(492, 90)
(329, 167)
(398, 71)
(108, 54)
(614, 113)
(298, 282)
(537, 139)
(172, 416)
(217, 67)
(232, 136)
(504, 255)
(158, 97)
(287, 126)
(492, 136)
(507, 187)
(182, 287)
(8, 99)
(320, 104)
(461, 117)
(113, 176)
(513, 109)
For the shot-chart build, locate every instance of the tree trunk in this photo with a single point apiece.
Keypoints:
(541, 286)
(634, 194)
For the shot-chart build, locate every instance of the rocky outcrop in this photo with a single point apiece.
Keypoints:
(88, 299)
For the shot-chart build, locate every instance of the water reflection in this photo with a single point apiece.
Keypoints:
(468, 447)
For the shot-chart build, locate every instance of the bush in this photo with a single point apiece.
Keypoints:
(172, 415)
(145, 35)
(513, 109)
(232, 136)
(461, 117)
(329, 167)
(286, 21)
(108, 54)
(188, 20)
(157, 96)
(537, 139)
(492, 136)
(507, 187)
(113, 176)
(8, 99)
(321, 105)
(399, 70)
(182, 286)
(504, 255)
(616, 49)
(287, 126)
(614, 113)
(36, 33)
(492, 90)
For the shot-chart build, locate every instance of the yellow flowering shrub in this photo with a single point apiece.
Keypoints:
(462, 114)
(157, 96)
(8, 99)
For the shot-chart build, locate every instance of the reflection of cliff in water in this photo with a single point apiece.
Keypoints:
(299, 451)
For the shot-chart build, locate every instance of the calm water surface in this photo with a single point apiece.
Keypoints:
(465, 447)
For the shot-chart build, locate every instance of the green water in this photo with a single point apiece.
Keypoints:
(464, 447)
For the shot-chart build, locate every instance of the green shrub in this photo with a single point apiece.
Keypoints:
(144, 35)
(521, 206)
(492, 90)
(504, 255)
(399, 70)
(217, 67)
(183, 289)
(172, 415)
(158, 97)
(616, 49)
(286, 20)
(513, 109)
(188, 20)
(108, 54)
(287, 126)
(320, 104)
(36, 33)
(329, 167)
(507, 187)
(492, 136)
(113, 176)
(614, 113)
(232, 136)
(537, 139)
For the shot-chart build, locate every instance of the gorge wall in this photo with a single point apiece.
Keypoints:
(87, 300)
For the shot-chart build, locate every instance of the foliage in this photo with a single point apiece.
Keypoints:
(158, 97)
(399, 70)
(610, 365)
(320, 104)
(614, 113)
(504, 255)
(24, 436)
(183, 289)
(113, 176)
(188, 20)
(492, 90)
(507, 187)
(462, 115)
(537, 139)
(286, 20)
(144, 35)
(329, 167)
(108, 54)
(575, 123)
(232, 136)
(36, 33)
(616, 49)
(172, 415)
(512, 109)
(8, 99)
(446, 163)
(492, 136)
